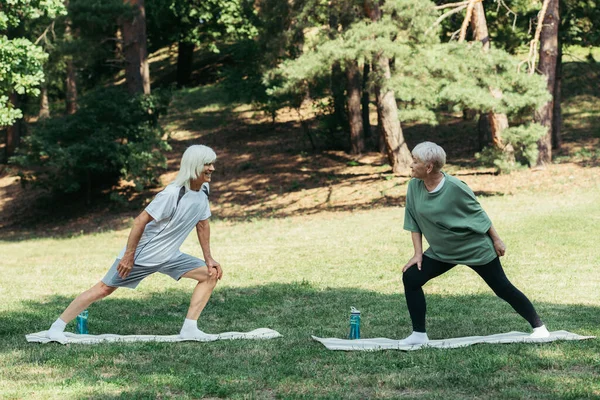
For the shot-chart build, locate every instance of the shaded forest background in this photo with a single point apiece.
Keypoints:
(311, 105)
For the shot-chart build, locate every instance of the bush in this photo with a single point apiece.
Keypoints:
(523, 142)
(112, 136)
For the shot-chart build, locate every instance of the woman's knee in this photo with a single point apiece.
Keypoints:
(213, 279)
(411, 279)
(101, 290)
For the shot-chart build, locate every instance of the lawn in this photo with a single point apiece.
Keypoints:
(299, 276)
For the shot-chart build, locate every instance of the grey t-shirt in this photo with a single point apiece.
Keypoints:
(172, 224)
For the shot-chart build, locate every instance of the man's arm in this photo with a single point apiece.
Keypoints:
(417, 258)
(498, 243)
(203, 231)
(139, 224)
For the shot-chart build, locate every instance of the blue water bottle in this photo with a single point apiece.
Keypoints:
(354, 323)
(82, 323)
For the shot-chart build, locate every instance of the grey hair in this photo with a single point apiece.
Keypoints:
(192, 164)
(429, 152)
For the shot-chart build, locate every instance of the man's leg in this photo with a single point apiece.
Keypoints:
(413, 280)
(493, 274)
(80, 303)
(202, 292)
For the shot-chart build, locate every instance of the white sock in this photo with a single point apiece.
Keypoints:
(189, 326)
(540, 332)
(416, 338)
(190, 330)
(58, 326)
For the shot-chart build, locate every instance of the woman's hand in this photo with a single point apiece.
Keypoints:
(499, 246)
(125, 265)
(212, 263)
(416, 259)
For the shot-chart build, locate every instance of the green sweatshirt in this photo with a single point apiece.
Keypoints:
(451, 220)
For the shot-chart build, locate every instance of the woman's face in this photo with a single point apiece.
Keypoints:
(418, 168)
(207, 171)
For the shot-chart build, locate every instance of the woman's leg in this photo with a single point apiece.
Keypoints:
(413, 280)
(80, 303)
(493, 274)
(202, 292)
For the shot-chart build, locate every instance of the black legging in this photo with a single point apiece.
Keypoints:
(492, 273)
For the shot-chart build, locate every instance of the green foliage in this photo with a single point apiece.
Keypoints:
(21, 61)
(20, 72)
(426, 74)
(205, 23)
(522, 140)
(17, 11)
(111, 137)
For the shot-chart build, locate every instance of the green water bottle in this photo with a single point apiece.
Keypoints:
(354, 323)
(82, 323)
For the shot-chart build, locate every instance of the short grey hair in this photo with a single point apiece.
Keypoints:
(429, 152)
(192, 164)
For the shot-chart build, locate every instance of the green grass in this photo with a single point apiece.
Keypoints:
(300, 276)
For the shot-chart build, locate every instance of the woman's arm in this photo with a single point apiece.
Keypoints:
(498, 243)
(203, 231)
(417, 258)
(139, 224)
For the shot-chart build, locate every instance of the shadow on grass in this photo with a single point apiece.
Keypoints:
(295, 366)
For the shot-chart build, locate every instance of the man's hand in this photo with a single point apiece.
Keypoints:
(499, 246)
(416, 259)
(212, 263)
(125, 265)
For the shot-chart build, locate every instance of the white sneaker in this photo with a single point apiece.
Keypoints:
(415, 338)
(197, 335)
(57, 336)
(540, 332)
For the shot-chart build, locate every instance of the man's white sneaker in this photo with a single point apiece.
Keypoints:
(540, 332)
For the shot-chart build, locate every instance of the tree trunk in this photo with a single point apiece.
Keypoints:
(70, 80)
(365, 102)
(557, 111)
(547, 67)
(137, 73)
(13, 132)
(44, 104)
(484, 131)
(71, 88)
(185, 60)
(387, 109)
(337, 84)
(357, 143)
(497, 122)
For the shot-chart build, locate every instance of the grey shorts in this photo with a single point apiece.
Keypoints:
(175, 268)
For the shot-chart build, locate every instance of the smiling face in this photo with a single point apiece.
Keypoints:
(419, 169)
(206, 174)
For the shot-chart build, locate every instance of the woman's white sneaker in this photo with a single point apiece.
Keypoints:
(540, 332)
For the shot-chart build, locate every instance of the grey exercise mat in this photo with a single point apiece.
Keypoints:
(391, 344)
(261, 333)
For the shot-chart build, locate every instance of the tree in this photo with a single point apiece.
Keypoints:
(137, 72)
(21, 61)
(497, 121)
(198, 24)
(548, 26)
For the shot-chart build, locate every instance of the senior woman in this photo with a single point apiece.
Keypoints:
(154, 241)
(444, 209)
